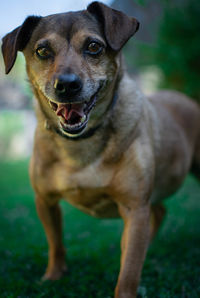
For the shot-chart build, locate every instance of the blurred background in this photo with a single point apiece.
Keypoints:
(165, 53)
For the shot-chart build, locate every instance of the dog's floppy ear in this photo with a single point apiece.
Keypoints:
(117, 26)
(17, 40)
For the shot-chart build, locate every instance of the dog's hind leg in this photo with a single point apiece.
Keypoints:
(158, 212)
(50, 217)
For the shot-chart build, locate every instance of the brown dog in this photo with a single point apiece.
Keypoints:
(100, 143)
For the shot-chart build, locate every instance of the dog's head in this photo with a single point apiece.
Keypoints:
(72, 60)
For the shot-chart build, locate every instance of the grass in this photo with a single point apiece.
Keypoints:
(172, 267)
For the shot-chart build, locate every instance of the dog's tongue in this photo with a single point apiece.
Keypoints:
(70, 112)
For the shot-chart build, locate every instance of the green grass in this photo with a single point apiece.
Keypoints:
(172, 267)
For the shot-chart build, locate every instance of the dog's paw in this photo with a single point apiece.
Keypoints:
(55, 273)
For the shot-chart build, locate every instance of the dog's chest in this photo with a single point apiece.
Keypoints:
(87, 189)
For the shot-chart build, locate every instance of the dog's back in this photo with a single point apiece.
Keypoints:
(175, 112)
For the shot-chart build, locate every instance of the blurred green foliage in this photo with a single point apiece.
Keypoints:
(11, 124)
(176, 48)
(178, 52)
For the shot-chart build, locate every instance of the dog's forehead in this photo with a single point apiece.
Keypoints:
(68, 24)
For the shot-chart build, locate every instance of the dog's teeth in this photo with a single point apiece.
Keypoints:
(76, 125)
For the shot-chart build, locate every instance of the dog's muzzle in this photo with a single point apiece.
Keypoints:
(73, 113)
(73, 117)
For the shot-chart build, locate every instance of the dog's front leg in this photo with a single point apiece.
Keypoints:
(134, 244)
(50, 216)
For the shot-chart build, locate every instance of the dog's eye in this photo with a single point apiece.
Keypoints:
(43, 53)
(94, 48)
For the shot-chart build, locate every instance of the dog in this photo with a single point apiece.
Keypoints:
(99, 142)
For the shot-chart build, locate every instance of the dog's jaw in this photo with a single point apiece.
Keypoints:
(73, 117)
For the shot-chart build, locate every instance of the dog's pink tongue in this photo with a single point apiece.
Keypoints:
(70, 112)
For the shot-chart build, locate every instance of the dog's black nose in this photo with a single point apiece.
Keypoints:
(67, 85)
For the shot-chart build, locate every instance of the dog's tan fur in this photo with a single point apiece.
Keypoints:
(139, 155)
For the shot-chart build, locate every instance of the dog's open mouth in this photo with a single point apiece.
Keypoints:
(73, 117)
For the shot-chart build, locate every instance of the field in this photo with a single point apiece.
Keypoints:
(172, 267)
